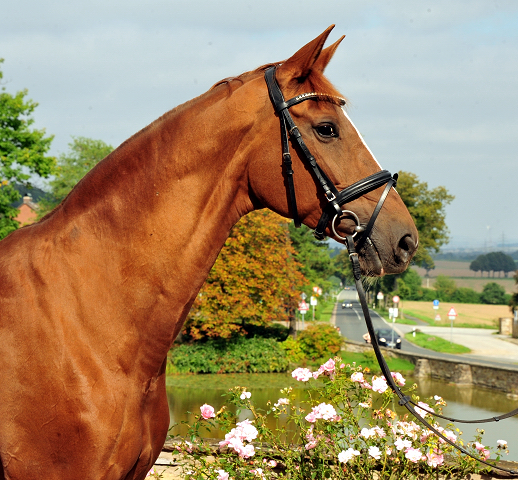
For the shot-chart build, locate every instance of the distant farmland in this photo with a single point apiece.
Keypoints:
(463, 276)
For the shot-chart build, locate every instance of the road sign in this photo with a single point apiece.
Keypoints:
(395, 299)
(436, 304)
(393, 312)
(303, 307)
(437, 318)
(303, 296)
(452, 314)
(379, 296)
(313, 300)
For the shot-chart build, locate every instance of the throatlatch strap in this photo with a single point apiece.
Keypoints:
(404, 400)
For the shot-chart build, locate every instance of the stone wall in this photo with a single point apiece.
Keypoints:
(461, 372)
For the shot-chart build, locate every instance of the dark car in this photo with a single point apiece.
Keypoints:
(388, 338)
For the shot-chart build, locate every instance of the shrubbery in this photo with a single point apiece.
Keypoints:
(259, 354)
(317, 341)
(240, 355)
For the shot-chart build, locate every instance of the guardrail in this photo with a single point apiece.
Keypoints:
(460, 372)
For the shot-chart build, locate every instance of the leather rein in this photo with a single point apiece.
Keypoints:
(334, 211)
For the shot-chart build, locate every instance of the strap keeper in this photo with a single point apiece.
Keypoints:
(404, 400)
(330, 196)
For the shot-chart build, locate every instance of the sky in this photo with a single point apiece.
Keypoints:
(432, 85)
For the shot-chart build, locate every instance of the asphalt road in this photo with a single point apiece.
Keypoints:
(351, 323)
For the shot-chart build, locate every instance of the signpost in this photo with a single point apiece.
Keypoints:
(313, 301)
(452, 314)
(379, 297)
(436, 304)
(303, 309)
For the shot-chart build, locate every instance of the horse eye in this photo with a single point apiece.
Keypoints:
(327, 130)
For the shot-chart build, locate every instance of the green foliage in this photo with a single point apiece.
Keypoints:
(465, 295)
(84, 154)
(319, 340)
(293, 349)
(22, 152)
(409, 286)
(313, 256)
(445, 287)
(494, 294)
(239, 355)
(513, 301)
(493, 262)
(427, 208)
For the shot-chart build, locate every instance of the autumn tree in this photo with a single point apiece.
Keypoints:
(72, 166)
(255, 280)
(23, 152)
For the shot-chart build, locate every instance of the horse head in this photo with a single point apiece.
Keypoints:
(342, 157)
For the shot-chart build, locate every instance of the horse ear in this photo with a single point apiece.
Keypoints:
(299, 65)
(326, 55)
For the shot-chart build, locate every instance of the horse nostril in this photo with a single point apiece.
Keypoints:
(407, 247)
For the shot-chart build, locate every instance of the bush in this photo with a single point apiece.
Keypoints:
(318, 341)
(293, 350)
(241, 355)
(465, 295)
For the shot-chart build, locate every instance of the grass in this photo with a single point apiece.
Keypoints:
(368, 359)
(384, 313)
(435, 343)
(327, 311)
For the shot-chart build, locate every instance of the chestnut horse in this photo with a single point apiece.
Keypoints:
(92, 296)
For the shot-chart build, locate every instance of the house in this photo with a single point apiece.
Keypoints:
(28, 204)
(28, 211)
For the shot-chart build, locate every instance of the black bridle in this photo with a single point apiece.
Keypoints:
(335, 198)
(334, 211)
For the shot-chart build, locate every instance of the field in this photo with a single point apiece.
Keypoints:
(463, 276)
(468, 314)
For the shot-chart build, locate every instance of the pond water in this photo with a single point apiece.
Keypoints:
(188, 392)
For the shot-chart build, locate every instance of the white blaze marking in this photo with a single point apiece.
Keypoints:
(361, 138)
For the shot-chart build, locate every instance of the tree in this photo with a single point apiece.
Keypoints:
(493, 294)
(313, 256)
(84, 154)
(427, 208)
(22, 152)
(513, 302)
(445, 287)
(493, 262)
(255, 280)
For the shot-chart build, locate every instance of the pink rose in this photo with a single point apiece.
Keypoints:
(207, 411)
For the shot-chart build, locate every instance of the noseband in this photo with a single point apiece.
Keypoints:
(334, 211)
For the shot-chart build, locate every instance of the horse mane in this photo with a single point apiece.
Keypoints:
(319, 83)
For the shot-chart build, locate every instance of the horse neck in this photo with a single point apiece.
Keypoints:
(164, 203)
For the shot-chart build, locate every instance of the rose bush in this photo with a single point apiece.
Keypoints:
(347, 427)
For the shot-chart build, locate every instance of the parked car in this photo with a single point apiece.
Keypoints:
(388, 338)
(347, 305)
